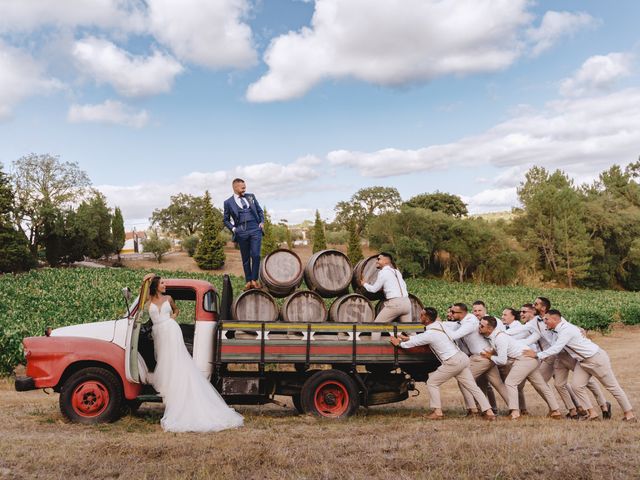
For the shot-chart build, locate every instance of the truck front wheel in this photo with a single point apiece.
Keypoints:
(91, 395)
(330, 393)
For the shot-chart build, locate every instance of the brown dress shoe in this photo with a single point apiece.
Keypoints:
(433, 416)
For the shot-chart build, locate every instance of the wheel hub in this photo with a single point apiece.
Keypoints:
(90, 399)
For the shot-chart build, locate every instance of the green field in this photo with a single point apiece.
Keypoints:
(57, 297)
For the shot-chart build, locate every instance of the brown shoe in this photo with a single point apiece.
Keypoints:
(256, 284)
(630, 419)
(489, 418)
(433, 416)
(248, 286)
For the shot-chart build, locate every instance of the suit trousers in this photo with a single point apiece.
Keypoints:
(504, 371)
(526, 368)
(395, 309)
(598, 366)
(480, 366)
(565, 363)
(458, 367)
(250, 243)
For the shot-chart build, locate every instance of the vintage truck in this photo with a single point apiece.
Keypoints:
(329, 369)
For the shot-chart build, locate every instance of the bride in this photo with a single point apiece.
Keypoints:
(192, 404)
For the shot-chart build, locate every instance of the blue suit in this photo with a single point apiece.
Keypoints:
(248, 233)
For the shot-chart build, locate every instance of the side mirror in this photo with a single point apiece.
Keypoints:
(126, 294)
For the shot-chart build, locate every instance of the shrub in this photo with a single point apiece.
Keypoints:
(591, 320)
(630, 315)
(157, 246)
(190, 244)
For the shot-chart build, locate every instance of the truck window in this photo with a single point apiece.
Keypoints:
(210, 302)
(185, 299)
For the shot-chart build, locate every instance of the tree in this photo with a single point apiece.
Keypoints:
(439, 202)
(190, 244)
(184, 216)
(14, 248)
(354, 249)
(42, 182)
(117, 231)
(158, 246)
(94, 218)
(269, 242)
(319, 239)
(365, 204)
(210, 252)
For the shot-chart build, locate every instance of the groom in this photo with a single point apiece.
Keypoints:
(244, 217)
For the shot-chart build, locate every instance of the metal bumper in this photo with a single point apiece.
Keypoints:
(24, 384)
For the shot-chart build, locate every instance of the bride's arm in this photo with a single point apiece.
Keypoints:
(175, 311)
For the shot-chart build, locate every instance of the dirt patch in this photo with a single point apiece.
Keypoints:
(383, 442)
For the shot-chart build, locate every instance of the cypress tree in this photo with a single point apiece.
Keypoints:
(117, 231)
(354, 249)
(210, 252)
(269, 242)
(319, 239)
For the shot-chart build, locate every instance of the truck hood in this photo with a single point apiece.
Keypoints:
(109, 331)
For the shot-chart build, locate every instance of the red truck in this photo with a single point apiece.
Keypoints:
(329, 369)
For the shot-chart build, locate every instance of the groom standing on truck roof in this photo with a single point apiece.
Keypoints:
(247, 229)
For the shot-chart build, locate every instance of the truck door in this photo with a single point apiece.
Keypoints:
(133, 333)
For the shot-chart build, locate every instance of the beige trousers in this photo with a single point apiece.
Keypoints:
(526, 368)
(480, 366)
(395, 309)
(458, 367)
(504, 371)
(548, 370)
(598, 366)
(565, 363)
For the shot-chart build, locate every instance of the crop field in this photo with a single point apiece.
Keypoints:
(56, 297)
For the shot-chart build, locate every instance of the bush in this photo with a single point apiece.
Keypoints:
(190, 244)
(630, 315)
(157, 246)
(338, 237)
(591, 320)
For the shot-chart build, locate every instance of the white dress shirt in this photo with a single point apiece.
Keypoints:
(391, 282)
(569, 338)
(469, 336)
(438, 339)
(236, 197)
(539, 334)
(516, 329)
(506, 347)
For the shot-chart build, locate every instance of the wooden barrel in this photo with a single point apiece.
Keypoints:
(416, 307)
(328, 273)
(304, 306)
(255, 305)
(281, 272)
(366, 268)
(352, 308)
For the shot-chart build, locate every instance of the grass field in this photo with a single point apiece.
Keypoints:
(384, 442)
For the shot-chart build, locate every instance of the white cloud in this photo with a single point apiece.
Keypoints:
(395, 42)
(20, 77)
(555, 25)
(129, 75)
(110, 112)
(575, 134)
(203, 32)
(597, 73)
(492, 200)
(27, 15)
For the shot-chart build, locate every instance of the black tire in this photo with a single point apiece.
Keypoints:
(297, 403)
(92, 395)
(330, 394)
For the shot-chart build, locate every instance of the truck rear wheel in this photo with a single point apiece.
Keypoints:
(91, 395)
(331, 394)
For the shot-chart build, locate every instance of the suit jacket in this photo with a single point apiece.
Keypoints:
(231, 211)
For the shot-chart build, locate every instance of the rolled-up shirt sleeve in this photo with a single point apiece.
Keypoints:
(378, 284)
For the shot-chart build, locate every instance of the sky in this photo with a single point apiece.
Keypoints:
(311, 101)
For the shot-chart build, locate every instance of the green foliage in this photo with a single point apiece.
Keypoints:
(94, 219)
(590, 319)
(288, 238)
(190, 244)
(117, 231)
(158, 246)
(439, 202)
(210, 251)
(319, 239)
(630, 315)
(184, 216)
(269, 241)
(336, 237)
(366, 204)
(354, 249)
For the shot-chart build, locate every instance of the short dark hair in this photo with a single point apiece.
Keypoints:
(514, 312)
(529, 306)
(553, 311)
(237, 180)
(545, 302)
(479, 302)
(431, 312)
(386, 254)
(153, 286)
(491, 321)
(461, 306)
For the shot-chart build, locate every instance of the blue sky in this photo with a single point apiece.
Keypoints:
(310, 101)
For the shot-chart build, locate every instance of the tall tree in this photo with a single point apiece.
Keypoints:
(117, 231)
(210, 251)
(365, 204)
(319, 238)
(94, 218)
(269, 242)
(439, 202)
(184, 216)
(354, 248)
(42, 182)
(14, 248)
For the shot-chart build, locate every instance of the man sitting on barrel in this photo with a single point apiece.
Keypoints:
(397, 305)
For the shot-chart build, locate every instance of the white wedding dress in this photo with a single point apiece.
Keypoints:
(191, 402)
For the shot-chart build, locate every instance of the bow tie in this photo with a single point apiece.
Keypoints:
(506, 327)
(552, 330)
(540, 319)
